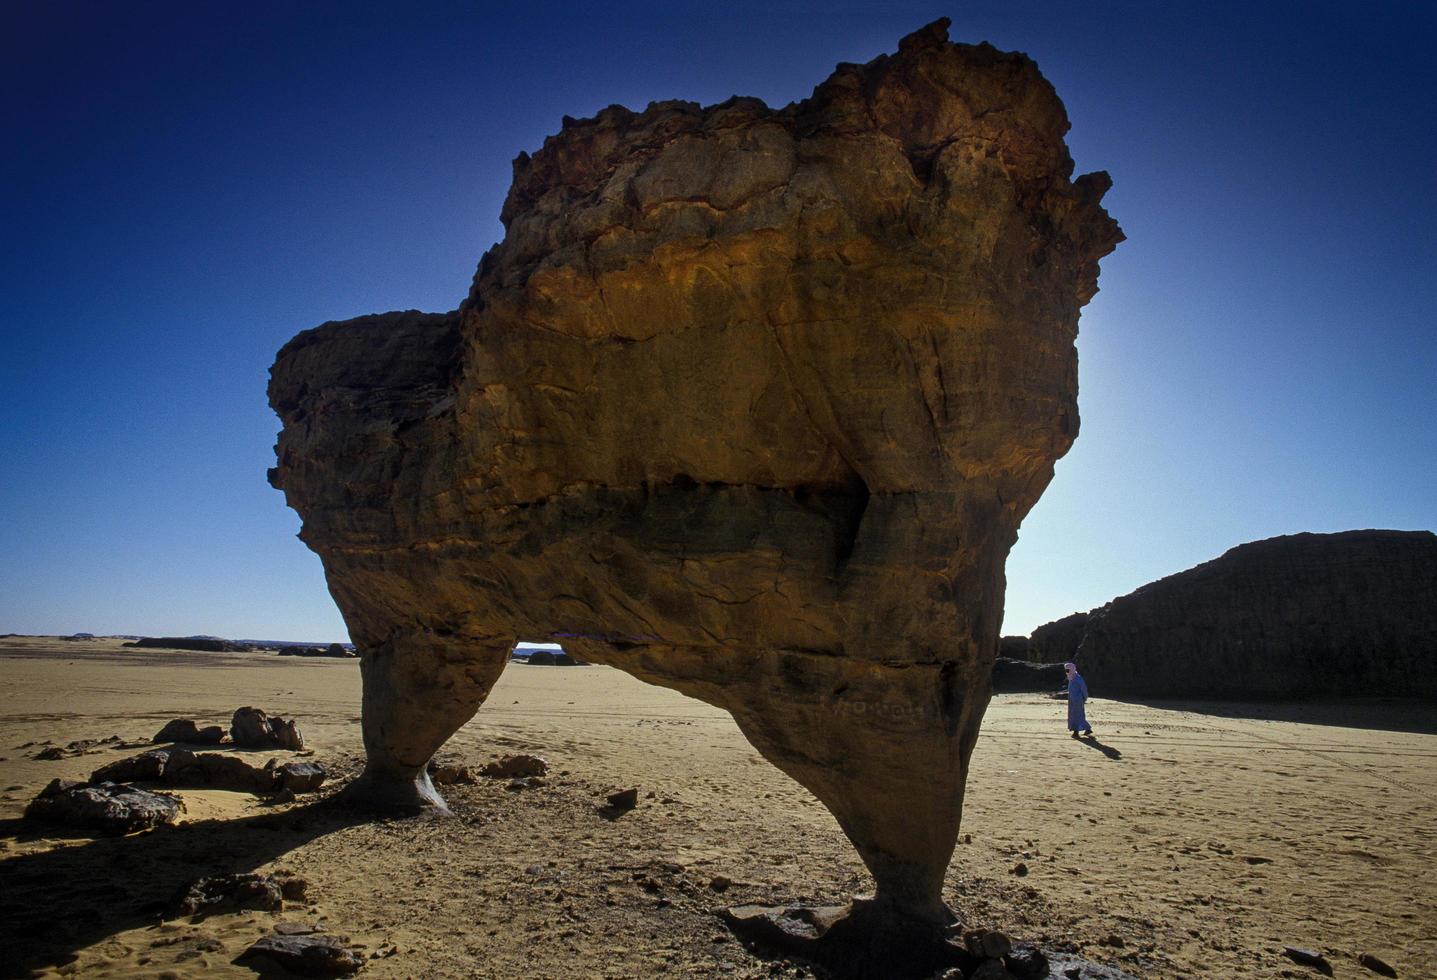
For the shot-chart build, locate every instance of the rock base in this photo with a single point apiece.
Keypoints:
(861, 941)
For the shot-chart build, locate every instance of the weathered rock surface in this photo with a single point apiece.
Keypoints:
(182, 768)
(516, 766)
(251, 728)
(223, 893)
(103, 808)
(307, 955)
(748, 403)
(300, 777)
(1353, 613)
(185, 730)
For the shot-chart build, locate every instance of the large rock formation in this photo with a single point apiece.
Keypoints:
(1303, 615)
(748, 403)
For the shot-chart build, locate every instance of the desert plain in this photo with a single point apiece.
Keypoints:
(1187, 840)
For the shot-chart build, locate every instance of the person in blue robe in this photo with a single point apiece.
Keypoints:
(1077, 696)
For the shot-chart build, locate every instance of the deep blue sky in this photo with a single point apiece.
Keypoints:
(188, 185)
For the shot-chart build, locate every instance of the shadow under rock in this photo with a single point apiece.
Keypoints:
(57, 902)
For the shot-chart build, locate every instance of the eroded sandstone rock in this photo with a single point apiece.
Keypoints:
(748, 403)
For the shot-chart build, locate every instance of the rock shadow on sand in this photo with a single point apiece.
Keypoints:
(58, 902)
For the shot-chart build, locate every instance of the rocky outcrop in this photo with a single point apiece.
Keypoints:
(204, 644)
(1012, 676)
(336, 650)
(1302, 615)
(748, 403)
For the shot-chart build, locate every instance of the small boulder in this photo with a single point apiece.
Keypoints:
(624, 799)
(1376, 965)
(1308, 957)
(186, 731)
(251, 728)
(104, 808)
(315, 955)
(542, 658)
(301, 777)
(987, 944)
(224, 893)
(1026, 962)
(516, 767)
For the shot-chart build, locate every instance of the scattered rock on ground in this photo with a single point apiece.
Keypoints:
(624, 799)
(987, 944)
(84, 746)
(309, 955)
(1027, 962)
(516, 766)
(449, 773)
(105, 808)
(212, 770)
(251, 728)
(1308, 957)
(1376, 965)
(147, 767)
(185, 730)
(301, 777)
(266, 892)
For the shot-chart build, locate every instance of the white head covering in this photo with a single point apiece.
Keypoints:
(1071, 666)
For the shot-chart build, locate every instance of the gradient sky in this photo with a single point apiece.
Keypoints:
(186, 186)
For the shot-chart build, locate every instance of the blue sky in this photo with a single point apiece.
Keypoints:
(186, 186)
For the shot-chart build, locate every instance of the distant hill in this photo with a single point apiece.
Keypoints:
(1347, 614)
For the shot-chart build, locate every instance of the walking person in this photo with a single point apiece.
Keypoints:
(1077, 696)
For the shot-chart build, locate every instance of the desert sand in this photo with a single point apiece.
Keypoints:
(1191, 840)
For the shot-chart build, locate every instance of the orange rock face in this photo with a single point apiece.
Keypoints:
(748, 403)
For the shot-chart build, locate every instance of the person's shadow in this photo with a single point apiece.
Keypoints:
(54, 903)
(1091, 741)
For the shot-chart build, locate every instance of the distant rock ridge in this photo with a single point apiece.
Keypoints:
(1346, 614)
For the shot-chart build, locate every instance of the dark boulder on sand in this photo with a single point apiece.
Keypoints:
(185, 730)
(104, 808)
(251, 728)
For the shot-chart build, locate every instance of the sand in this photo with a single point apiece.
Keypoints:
(1192, 840)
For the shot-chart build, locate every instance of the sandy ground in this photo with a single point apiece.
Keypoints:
(1192, 840)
